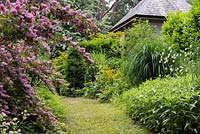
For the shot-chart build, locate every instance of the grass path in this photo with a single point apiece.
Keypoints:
(87, 116)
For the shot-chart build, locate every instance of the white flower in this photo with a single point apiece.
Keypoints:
(11, 132)
(15, 119)
(3, 114)
(4, 124)
(8, 124)
(19, 130)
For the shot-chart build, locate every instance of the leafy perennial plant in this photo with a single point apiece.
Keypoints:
(28, 30)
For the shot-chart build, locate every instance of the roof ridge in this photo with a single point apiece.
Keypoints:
(142, 1)
(158, 8)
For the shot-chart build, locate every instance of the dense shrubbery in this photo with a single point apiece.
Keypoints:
(53, 101)
(104, 43)
(75, 70)
(169, 105)
(182, 29)
(60, 65)
(105, 50)
(146, 56)
(109, 81)
(108, 78)
(144, 62)
(91, 90)
(177, 30)
(134, 36)
(28, 31)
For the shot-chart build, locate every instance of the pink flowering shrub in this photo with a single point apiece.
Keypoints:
(28, 30)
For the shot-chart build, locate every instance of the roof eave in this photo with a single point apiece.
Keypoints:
(149, 17)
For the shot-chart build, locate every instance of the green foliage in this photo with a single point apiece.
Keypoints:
(90, 89)
(87, 6)
(140, 32)
(121, 9)
(195, 21)
(195, 14)
(190, 1)
(168, 106)
(104, 43)
(177, 30)
(90, 7)
(36, 127)
(74, 69)
(53, 101)
(144, 62)
(97, 118)
(146, 56)
(105, 52)
(182, 29)
(109, 81)
(60, 62)
(23, 125)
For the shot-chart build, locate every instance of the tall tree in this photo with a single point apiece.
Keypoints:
(93, 8)
(87, 6)
(121, 8)
(106, 12)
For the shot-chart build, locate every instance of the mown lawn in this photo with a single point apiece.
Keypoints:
(87, 116)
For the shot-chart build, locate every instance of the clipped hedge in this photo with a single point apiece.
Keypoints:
(168, 106)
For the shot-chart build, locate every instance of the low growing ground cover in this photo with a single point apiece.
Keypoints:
(169, 105)
(86, 116)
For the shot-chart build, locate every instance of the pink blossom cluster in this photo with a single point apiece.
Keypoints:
(81, 50)
(27, 30)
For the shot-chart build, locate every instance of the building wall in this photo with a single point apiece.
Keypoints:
(154, 22)
(157, 23)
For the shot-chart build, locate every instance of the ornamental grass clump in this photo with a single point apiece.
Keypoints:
(28, 30)
(146, 56)
(149, 60)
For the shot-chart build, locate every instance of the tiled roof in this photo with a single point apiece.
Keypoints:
(158, 8)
